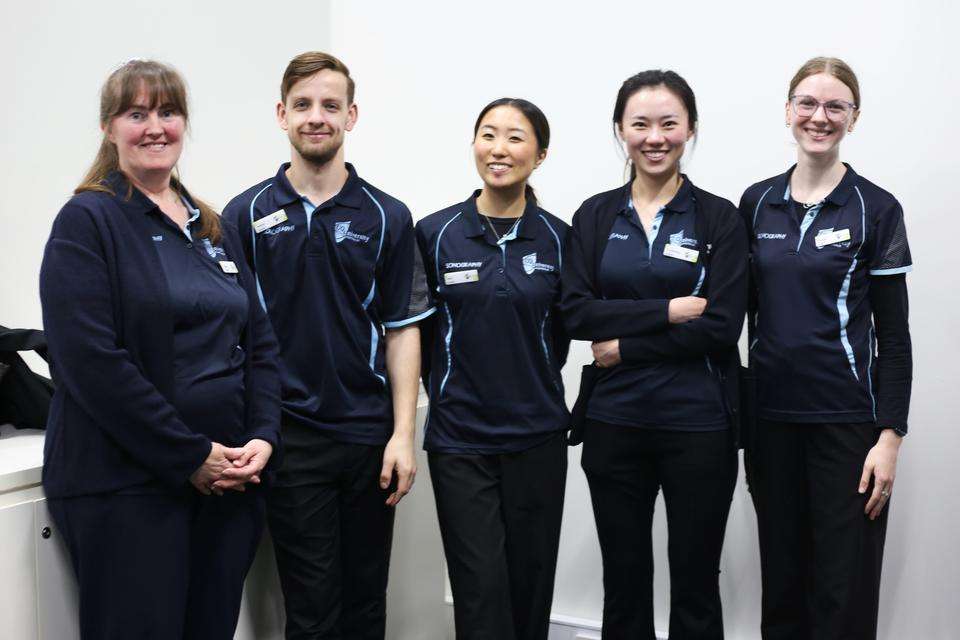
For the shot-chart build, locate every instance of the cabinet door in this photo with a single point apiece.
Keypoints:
(18, 604)
(261, 613)
(56, 584)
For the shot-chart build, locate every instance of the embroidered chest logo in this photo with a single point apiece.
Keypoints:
(678, 240)
(157, 238)
(341, 232)
(276, 230)
(771, 236)
(212, 251)
(462, 265)
(530, 265)
(618, 236)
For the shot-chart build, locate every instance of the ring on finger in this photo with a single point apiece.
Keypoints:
(885, 493)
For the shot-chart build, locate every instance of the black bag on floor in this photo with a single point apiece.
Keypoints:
(24, 395)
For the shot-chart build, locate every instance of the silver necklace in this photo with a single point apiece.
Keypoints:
(494, 229)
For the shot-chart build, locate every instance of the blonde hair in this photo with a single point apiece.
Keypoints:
(163, 86)
(832, 66)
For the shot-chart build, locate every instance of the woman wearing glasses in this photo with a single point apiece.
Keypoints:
(831, 353)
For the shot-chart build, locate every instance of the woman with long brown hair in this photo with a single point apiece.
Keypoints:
(166, 410)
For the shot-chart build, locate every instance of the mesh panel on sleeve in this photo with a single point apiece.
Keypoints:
(419, 290)
(897, 251)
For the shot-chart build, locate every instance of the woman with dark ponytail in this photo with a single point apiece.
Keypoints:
(495, 432)
(655, 277)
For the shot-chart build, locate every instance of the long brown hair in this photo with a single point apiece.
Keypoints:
(164, 86)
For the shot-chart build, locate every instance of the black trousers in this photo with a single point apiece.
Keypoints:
(625, 468)
(160, 566)
(500, 524)
(332, 533)
(820, 556)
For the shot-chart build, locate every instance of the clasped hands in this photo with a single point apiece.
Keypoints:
(231, 468)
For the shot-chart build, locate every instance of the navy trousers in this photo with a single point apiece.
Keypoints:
(160, 565)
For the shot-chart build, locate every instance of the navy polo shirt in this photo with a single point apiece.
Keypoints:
(209, 312)
(679, 394)
(332, 277)
(498, 346)
(814, 345)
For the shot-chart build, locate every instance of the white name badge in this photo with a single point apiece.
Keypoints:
(228, 266)
(682, 253)
(833, 237)
(271, 220)
(459, 277)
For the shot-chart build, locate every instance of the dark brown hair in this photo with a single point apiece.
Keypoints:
(310, 63)
(671, 80)
(163, 86)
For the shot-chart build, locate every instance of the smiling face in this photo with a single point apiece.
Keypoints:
(505, 148)
(817, 134)
(655, 128)
(149, 140)
(316, 114)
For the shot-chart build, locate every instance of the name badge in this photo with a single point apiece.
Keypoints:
(459, 277)
(269, 221)
(228, 266)
(682, 253)
(831, 237)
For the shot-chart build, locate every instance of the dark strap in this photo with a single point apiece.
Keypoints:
(12, 340)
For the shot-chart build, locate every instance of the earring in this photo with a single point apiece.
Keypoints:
(787, 124)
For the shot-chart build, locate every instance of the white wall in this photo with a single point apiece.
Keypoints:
(55, 56)
(425, 69)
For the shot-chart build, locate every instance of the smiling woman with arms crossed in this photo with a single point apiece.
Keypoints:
(831, 351)
(656, 277)
(167, 391)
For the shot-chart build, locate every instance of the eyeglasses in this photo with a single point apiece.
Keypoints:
(835, 110)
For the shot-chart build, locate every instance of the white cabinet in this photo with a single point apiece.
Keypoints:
(57, 602)
(38, 590)
(17, 566)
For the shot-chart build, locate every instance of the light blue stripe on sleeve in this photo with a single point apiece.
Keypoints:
(891, 272)
(396, 324)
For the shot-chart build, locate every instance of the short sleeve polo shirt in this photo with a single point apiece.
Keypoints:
(332, 277)
(495, 383)
(210, 311)
(683, 395)
(814, 346)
